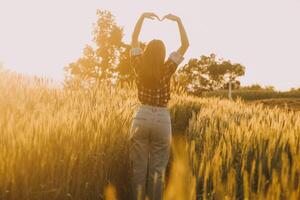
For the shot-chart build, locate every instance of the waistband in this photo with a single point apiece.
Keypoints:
(153, 108)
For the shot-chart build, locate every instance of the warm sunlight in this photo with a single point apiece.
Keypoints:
(41, 37)
(149, 100)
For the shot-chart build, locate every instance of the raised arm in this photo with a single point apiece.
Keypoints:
(138, 27)
(184, 39)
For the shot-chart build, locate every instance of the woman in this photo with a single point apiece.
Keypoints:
(151, 128)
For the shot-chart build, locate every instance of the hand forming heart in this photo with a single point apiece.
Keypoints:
(153, 16)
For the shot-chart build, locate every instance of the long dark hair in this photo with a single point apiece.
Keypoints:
(153, 60)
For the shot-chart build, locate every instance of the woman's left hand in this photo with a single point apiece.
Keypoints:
(171, 17)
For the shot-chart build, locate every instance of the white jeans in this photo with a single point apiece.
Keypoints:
(150, 137)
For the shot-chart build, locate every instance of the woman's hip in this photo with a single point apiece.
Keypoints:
(152, 119)
(152, 113)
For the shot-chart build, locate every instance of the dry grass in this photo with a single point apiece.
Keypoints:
(246, 152)
(56, 144)
(284, 103)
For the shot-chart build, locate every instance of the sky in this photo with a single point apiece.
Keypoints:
(40, 37)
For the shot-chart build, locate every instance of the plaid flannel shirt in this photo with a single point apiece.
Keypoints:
(160, 96)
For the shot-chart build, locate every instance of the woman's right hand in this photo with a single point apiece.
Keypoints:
(150, 15)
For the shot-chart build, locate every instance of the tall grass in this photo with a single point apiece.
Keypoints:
(253, 94)
(58, 144)
(63, 145)
(245, 152)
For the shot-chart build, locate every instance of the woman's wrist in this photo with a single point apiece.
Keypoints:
(178, 20)
(142, 17)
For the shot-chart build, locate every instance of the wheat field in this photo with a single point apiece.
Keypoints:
(59, 144)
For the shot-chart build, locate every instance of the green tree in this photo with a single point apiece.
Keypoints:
(258, 87)
(100, 63)
(124, 69)
(252, 87)
(295, 89)
(208, 73)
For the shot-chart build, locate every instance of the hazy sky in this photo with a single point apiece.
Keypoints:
(42, 36)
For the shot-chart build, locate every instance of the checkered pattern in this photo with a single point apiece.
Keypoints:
(155, 97)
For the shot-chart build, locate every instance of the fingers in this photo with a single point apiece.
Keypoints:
(169, 16)
(154, 15)
(157, 17)
(147, 15)
(165, 17)
(151, 15)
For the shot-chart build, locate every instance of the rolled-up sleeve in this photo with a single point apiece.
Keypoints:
(176, 57)
(172, 63)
